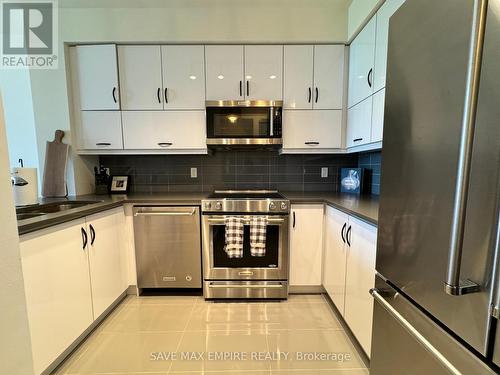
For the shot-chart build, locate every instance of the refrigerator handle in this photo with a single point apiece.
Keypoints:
(453, 284)
(414, 332)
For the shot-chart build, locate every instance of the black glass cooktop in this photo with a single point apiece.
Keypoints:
(246, 194)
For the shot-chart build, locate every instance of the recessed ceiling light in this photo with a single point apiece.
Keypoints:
(220, 76)
(192, 77)
(272, 77)
(249, 77)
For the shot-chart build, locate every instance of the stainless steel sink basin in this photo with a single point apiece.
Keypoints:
(50, 208)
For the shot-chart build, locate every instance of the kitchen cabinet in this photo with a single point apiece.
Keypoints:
(95, 76)
(164, 130)
(57, 286)
(224, 72)
(361, 64)
(359, 123)
(140, 77)
(381, 43)
(105, 257)
(263, 72)
(306, 245)
(100, 130)
(335, 253)
(183, 77)
(306, 131)
(378, 116)
(360, 278)
(314, 76)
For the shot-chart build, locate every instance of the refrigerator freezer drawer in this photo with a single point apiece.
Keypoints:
(405, 341)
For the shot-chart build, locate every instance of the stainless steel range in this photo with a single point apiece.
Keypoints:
(247, 276)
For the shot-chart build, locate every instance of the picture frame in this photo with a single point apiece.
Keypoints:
(352, 180)
(119, 185)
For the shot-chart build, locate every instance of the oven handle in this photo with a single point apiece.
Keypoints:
(165, 213)
(246, 286)
(247, 221)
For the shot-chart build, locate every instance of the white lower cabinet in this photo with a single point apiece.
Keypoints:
(100, 130)
(306, 245)
(307, 131)
(349, 271)
(69, 282)
(167, 130)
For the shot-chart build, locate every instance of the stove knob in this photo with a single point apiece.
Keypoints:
(208, 205)
(284, 206)
(218, 206)
(272, 206)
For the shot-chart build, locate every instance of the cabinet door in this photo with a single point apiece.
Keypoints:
(101, 130)
(224, 69)
(57, 286)
(378, 116)
(106, 248)
(183, 77)
(95, 76)
(359, 123)
(382, 34)
(263, 72)
(140, 77)
(334, 263)
(312, 130)
(306, 245)
(298, 76)
(360, 278)
(328, 77)
(169, 130)
(361, 61)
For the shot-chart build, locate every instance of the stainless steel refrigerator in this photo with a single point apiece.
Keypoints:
(437, 288)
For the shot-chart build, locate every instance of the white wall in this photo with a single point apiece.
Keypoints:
(162, 21)
(359, 10)
(15, 342)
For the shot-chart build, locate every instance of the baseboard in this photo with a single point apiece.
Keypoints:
(306, 289)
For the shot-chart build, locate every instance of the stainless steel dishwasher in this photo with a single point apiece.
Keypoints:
(167, 246)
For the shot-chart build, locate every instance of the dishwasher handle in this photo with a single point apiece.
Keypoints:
(165, 213)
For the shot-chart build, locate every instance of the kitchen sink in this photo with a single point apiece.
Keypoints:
(50, 208)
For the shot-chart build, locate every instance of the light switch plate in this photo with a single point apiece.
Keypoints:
(324, 172)
(194, 172)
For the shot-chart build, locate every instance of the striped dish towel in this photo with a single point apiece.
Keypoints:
(258, 226)
(234, 237)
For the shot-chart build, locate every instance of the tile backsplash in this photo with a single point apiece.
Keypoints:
(259, 169)
(372, 161)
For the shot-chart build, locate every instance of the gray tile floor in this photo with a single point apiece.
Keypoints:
(186, 335)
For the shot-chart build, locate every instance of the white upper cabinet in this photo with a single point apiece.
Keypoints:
(298, 73)
(183, 77)
(95, 76)
(378, 116)
(164, 130)
(361, 64)
(224, 69)
(359, 123)
(382, 34)
(100, 130)
(140, 77)
(312, 131)
(263, 72)
(328, 76)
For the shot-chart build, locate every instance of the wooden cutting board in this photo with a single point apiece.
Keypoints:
(54, 173)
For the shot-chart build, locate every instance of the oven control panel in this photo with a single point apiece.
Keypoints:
(246, 205)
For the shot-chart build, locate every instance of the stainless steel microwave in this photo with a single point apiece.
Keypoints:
(244, 122)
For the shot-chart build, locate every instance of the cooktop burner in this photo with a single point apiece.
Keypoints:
(246, 194)
(246, 201)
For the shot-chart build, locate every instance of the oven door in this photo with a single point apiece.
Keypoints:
(218, 266)
(248, 123)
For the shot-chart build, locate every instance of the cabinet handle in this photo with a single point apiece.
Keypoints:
(92, 235)
(114, 94)
(84, 238)
(241, 88)
(357, 140)
(348, 236)
(165, 144)
(248, 88)
(310, 95)
(342, 232)
(293, 225)
(369, 78)
(103, 144)
(311, 143)
(317, 95)
(166, 95)
(158, 95)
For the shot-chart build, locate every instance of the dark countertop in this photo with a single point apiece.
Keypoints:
(363, 207)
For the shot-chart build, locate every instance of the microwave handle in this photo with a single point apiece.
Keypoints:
(271, 121)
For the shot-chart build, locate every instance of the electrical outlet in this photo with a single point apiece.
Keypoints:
(194, 172)
(324, 172)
